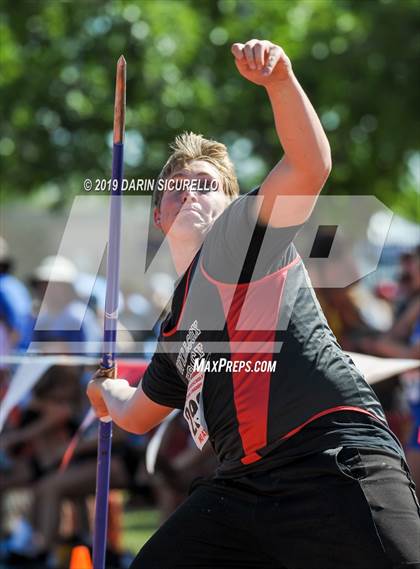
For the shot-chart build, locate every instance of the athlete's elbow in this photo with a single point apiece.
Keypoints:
(323, 165)
(136, 430)
(326, 164)
(317, 175)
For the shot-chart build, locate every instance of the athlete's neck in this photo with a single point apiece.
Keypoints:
(183, 253)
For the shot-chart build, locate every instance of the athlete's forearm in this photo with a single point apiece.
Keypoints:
(128, 406)
(299, 129)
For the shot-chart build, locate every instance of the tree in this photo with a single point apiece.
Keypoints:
(356, 60)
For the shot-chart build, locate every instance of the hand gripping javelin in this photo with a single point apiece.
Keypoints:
(111, 318)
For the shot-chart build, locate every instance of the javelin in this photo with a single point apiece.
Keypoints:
(111, 317)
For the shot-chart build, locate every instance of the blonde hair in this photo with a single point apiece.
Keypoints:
(188, 147)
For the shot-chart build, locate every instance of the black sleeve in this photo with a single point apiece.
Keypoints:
(238, 245)
(161, 382)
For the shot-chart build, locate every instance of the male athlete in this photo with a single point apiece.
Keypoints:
(310, 476)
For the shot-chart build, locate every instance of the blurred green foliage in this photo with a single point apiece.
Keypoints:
(357, 60)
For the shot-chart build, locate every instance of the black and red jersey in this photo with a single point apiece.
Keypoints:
(247, 297)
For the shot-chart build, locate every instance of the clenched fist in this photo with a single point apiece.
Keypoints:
(261, 62)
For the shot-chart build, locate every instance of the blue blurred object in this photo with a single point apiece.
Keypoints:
(93, 288)
(16, 309)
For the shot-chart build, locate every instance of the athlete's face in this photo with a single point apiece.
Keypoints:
(189, 213)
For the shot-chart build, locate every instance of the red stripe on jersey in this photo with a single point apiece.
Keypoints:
(327, 412)
(252, 311)
(233, 285)
(254, 457)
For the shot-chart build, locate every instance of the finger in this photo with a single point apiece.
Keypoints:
(237, 50)
(105, 373)
(259, 53)
(110, 372)
(96, 399)
(99, 405)
(249, 55)
(274, 55)
(101, 411)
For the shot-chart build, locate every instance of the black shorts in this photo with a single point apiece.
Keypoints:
(345, 508)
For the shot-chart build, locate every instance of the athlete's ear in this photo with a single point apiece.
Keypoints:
(156, 218)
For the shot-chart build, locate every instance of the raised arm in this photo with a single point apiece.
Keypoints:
(306, 163)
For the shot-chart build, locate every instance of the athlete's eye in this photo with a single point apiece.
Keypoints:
(206, 185)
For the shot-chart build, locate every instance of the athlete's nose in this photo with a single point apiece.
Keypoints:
(189, 194)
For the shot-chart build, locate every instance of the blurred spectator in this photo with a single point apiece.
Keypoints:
(65, 323)
(348, 310)
(15, 306)
(403, 341)
(34, 449)
(78, 481)
(36, 444)
(45, 426)
(409, 280)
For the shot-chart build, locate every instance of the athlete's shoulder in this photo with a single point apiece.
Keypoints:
(240, 206)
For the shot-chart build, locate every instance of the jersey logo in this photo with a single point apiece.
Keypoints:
(193, 409)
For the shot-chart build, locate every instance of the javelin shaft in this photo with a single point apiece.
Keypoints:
(111, 318)
(113, 260)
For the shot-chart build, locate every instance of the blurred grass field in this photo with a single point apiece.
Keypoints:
(138, 526)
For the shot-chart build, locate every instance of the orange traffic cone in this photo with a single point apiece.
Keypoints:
(80, 558)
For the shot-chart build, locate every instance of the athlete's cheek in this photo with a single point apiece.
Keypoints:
(214, 206)
(174, 196)
(175, 203)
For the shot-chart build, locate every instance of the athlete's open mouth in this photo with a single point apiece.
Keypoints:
(189, 209)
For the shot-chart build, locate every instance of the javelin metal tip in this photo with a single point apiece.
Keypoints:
(119, 107)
